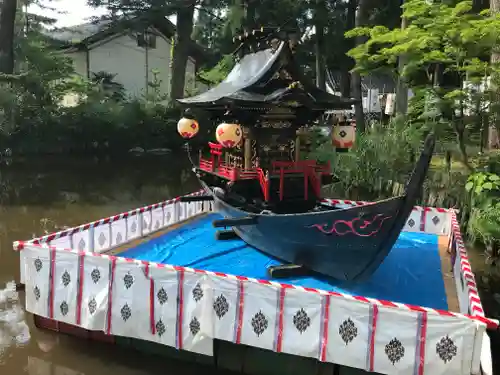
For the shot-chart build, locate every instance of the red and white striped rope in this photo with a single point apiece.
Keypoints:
(476, 307)
(110, 219)
(490, 323)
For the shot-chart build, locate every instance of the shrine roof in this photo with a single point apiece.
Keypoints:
(267, 74)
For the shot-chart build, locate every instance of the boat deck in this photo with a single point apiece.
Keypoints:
(417, 271)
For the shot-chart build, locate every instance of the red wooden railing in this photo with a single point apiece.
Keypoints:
(308, 168)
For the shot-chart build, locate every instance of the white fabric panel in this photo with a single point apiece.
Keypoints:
(37, 276)
(66, 286)
(130, 316)
(413, 222)
(118, 232)
(102, 238)
(302, 323)
(197, 330)
(133, 229)
(146, 222)
(396, 340)
(437, 222)
(181, 211)
(169, 214)
(349, 333)
(226, 304)
(449, 345)
(94, 305)
(62, 242)
(190, 209)
(157, 219)
(166, 306)
(82, 240)
(260, 313)
(22, 268)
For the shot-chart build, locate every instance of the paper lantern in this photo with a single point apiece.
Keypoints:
(229, 135)
(187, 127)
(344, 135)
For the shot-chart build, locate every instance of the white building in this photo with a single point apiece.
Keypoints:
(131, 50)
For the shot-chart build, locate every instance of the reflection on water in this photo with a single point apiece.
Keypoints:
(43, 195)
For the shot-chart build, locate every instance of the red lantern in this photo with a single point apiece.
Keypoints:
(187, 128)
(229, 135)
(344, 135)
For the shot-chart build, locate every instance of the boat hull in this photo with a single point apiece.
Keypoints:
(345, 244)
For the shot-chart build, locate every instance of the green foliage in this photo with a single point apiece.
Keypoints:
(379, 156)
(483, 190)
(220, 71)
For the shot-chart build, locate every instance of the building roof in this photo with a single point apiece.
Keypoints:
(85, 34)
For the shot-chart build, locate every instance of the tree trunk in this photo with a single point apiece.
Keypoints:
(361, 20)
(402, 88)
(493, 136)
(319, 25)
(185, 15)
(8, 10)
(345, 75)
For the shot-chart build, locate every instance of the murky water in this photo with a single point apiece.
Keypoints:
(44, 195)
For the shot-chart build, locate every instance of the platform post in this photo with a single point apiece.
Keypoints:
(247, 149)
(297, 145)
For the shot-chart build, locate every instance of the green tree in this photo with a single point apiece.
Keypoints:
(444, 44)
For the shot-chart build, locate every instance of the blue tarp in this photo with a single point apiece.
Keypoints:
(410, 274)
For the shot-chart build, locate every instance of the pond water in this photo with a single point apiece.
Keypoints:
(46, 194)
(43, 195)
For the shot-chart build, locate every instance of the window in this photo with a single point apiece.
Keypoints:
(146, 40)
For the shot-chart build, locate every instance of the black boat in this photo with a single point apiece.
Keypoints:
(269, 197)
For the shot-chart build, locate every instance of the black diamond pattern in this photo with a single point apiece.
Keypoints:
(38, 264)
(162, 296)
(221, 306)
(342, 133)
(435, 220)
(446, 349)
(126, 312)
(160, 328)
(348, 331)
(65, 278)
(64, 308)
(92, 306)
(119, 238)
(168, 216)
(259, 323)
(36, 292)
(194, 326)
(301, 321)
(133, 227)
(95, 275)
(411, 223)
(128, 280)
(102, 239)
(81, 244)
(394, 350)
(197, 293)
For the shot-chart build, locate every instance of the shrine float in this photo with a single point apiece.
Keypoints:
(296, 283)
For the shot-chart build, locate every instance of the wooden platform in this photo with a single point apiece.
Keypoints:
(138, 241)
(445, 256)
(447, 272)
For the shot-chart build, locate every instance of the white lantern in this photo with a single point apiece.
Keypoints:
(229, 135)
(344, 135)
(187, 128)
